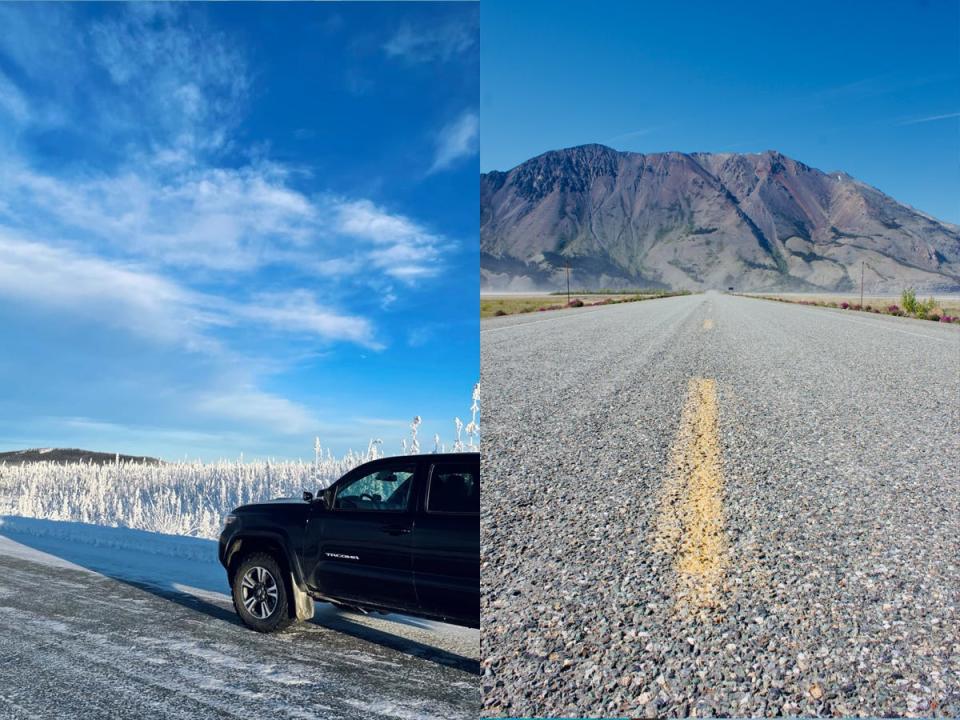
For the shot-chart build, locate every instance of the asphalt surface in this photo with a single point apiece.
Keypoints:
(79, 644)
(837, 446)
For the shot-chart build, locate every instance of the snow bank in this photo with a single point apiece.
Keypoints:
(103, 538)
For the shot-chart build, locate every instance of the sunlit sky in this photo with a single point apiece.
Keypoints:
(231, 228)
(869, 88)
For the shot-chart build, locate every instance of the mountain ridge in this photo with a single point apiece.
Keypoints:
(754, 221)
(70, 455)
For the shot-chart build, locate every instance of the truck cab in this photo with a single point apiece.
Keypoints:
(398, 534)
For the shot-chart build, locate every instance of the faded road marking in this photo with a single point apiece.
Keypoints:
(708, 324)
(690, 525)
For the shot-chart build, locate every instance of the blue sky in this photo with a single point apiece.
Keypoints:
(870, 88)
(230, 228)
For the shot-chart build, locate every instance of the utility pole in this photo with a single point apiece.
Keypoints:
(568, 284)
(861, 285)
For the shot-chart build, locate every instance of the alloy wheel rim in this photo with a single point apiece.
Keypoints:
(259, 593)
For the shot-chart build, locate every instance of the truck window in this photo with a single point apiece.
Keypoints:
(385, 490)
(453, 489)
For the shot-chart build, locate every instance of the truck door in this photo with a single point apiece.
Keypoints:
(362, 545)
(446, 561)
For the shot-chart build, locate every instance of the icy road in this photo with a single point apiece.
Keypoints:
(92, 625)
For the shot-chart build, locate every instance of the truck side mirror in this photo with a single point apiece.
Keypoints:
(307, 496)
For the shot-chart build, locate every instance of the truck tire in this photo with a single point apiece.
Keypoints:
(260, 594)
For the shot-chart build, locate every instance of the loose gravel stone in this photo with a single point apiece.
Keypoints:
(841, 511)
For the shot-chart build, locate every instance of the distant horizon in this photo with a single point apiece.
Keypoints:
(240, 457)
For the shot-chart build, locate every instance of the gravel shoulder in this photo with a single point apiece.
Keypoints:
(841, 513)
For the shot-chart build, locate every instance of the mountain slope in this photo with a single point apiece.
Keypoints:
(702, 220)
(68, 455)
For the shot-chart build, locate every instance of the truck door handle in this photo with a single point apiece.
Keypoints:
(396, 530)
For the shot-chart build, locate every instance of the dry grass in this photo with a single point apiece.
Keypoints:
(949, 305)
(497, 305)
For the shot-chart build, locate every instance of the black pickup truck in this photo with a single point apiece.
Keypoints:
(399, 534)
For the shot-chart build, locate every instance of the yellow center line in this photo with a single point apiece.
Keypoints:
(708, 324)
(690, 525)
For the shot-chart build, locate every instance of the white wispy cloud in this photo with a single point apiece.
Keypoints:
(223, 219)
(298, 311)
(214, 218)
(155, 307)
(640, 132)
(402, 248)
(59, 280)
(250, 405)
(13, 103)
(136, 433)
(172, 203)
(430, 44)
(929, 118)
(457, 140)
(160, 228)
(161, 311)
(192, 83)
(171, 83)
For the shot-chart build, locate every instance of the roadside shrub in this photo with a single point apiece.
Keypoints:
(499, 313)
(908, 298)
(917, 308)
(934, 317)
(868, 308)
(947, 319)
(856, 306)
(893, 309)
(575, 303)
(844, 305)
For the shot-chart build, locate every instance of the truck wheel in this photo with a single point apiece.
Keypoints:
(260, 595)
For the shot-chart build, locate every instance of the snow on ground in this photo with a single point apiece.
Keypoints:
(114, 604)
(108, 622)
(183, 565)
(162, 560)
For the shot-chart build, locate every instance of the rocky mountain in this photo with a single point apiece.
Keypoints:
(703, 220)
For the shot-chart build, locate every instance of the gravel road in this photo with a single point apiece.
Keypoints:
(838, 437)
(80, 644)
